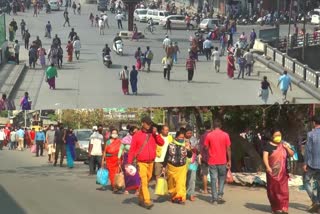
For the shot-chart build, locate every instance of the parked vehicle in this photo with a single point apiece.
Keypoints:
(102, 5)
(156, 15)
(140, 15)
(83, 136)
(177, 22)
(210, 24)
(315, 17)
(54, 5)
(118, 47)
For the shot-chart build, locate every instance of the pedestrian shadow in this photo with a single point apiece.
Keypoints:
(116, 66)
(205, 198)
(146, 95)
(8, 204)
(133, 200)
(162, 199)
(65, 89)
(258, 207)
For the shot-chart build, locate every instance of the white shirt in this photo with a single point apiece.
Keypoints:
(105, 18)
(163, 149)
(76, 45)
(101, 23)
(2, 136)
(125, 74)
(96, 140)
(216, 56)
(166, 42)
(118, 16)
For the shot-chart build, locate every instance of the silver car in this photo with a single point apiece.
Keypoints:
(177, 22)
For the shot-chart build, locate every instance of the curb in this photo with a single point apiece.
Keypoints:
(279, 69)
(14, 80)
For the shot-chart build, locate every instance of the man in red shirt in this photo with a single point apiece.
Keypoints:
(219, 148)
(143, 149)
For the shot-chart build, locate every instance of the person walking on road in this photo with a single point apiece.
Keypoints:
(119, 17)
(60, 56)
(26, 39)
(69, 49)
(249, 62)
(166, 43)
(105, 20)
(218, 145)
(71, 142)
(66, 19)
(207, 46)
(2, 138)
(50, 135)
(16, 48)
(42, 57)
(91, 18)
(216, 59)
(135, 34)
(13, 139)
(51, 75)
(124, 77)
(74, 7)
(25, 102)
(264, 91)
(59, 144)
(53, 55)
(23, 28)
(48, 30)
(148, 58)
(285, 83)
(134, 80)
(275, 155)
(230, 66)
(40, 140)
(167, 63)
(143, 149)
(242, 66)
(176, 50)
(101, 26)
(20, 139)
(253, 37)
(191, 67)
(311, 165)
(77, 47)
(79, 9)
(168, 26)
(95, 149)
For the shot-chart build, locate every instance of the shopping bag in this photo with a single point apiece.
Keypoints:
(229, 178)
(162, 186)
(33, 148)
(119, 179)
(102, 177)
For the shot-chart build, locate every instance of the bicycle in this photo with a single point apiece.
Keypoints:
(150, 29)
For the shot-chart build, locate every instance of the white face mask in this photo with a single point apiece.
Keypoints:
(52, 128)
(114, 135)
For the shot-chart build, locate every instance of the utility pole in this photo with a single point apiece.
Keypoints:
(304, 30)
(25, 118)
(290, 16)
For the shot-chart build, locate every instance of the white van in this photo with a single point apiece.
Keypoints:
(315, 17)
(156, 15)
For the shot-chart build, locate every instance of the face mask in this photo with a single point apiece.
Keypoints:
(52, 128)
(277, 139)
(114, 135)
(180, 140)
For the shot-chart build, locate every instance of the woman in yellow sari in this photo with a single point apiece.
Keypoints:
(176, 162)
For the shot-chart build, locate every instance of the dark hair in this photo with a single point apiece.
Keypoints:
(180, 132)
(285, 72)
(147, 120)
(183, 130)
(265, 78)
(189, 129)
(113, 129)
(132, 128)
(52, 64)
(125, 67)
(316, 119)
(216, 48)
(217, 123)
(207, 124)
(270, 132)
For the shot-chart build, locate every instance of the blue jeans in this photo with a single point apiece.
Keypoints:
(217, 173)
(175, 57)
(191, 182)
(308, 176)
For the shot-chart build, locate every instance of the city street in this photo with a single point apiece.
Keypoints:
(29, 185)
(87, 83)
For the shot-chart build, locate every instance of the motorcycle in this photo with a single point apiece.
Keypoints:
(118, 47)
(107, 61)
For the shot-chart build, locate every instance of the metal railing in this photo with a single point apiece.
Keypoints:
(296, 41)
(303, 72)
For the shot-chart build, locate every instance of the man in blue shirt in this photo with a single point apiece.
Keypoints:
(20, 139)
(207, 45)
(311, 165)
(285, 82)
(40, 138)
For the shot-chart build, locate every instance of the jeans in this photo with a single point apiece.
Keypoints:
(190, 74)
(39, 147)
(93, 162)
(1, 145)
(249, 69)
(308, 176)
(217, 173)
(241, 71)
(120, 24)
(191, 182)
(175, 57)
(207, 52)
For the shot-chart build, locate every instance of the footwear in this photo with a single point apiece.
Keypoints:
(192, 198)
(213, 201)
(101, 189)
(313, 208)
(221, 201)
(147, 206)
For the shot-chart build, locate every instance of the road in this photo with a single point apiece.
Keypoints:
(87, 83)
(31, 186)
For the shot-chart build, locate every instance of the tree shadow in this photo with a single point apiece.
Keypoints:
(8, 204)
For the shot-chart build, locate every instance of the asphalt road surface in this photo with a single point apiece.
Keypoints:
(29, 185)
(87, 83)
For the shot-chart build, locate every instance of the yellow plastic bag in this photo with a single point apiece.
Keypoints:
(162, 186)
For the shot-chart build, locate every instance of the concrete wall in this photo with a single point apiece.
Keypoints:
(3, 48)
(311, 56)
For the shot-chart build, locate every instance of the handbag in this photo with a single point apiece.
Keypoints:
(119, 179)
(229, 178)
(102, 177)
(162, 185)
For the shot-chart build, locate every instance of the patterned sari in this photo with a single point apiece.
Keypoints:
(112, 150)
(277, 182)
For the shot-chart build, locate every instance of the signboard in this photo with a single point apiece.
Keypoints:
(118, 110)
(2, 29)
(269, 34)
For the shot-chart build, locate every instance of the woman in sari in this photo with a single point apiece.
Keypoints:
(51, 75)
(124, 77)
(231, 66)
(135, 33)
(71, 141)
(275, 156)
(42, 56)
(70, 51)
(131, 182)
(110, 157)
(176, 161)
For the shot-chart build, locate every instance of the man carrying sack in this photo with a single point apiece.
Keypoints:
(143, 150)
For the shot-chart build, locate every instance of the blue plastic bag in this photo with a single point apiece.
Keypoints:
(102, 177)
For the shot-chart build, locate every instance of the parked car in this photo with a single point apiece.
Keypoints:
(83, 136)
(210, 24)
(177, 22)
(156, 15)
(102, 5)
(315, 19)
(54, 5)
(140, 15)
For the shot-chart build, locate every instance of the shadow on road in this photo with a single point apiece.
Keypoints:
(267, 209)
(8, 204)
